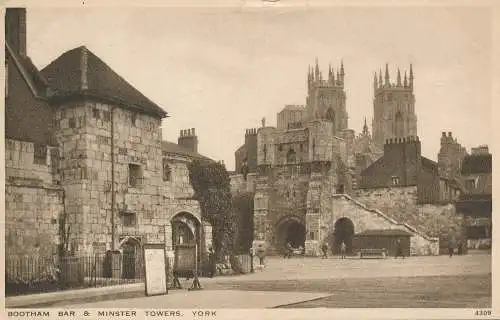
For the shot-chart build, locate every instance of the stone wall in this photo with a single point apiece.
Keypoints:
(434, 220)
(365, 218)
(33, 203)
(239, 184)
(152, 199)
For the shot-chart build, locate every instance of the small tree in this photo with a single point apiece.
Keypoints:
(211, 185)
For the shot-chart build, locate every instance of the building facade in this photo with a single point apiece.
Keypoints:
(476, 202)
(308, 168)
(86, 168)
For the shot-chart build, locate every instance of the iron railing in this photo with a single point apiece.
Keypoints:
(30, 274)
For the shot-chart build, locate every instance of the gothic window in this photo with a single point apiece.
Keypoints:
(301, 147)
(40, 156)
(389, 97)
(72, 123)
(265, 152)
(134, 119)
(330, 115)
(313, 147)
(280, 147)
(106, 115)
(291, 157)
(395, 180)
(167, 172)
(470, 184)
(399, 125)
(96, 113)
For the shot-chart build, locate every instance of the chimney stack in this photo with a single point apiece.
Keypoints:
(15, 29)
(188, 139)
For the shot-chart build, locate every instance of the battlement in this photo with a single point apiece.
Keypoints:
(187, 133)
(294, 107)
(400, 85)
(251, 132)
(410, 139)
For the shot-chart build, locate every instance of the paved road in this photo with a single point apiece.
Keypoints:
(460, 281)
(334, 268)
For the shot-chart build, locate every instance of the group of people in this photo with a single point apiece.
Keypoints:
(342, 247)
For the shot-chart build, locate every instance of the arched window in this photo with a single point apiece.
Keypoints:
(290, 156)
(399, 125)
(167, 172)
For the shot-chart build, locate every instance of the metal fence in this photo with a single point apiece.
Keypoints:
(33, 274)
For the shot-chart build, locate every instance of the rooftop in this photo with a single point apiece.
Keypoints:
(79, 72)
(171, 147)
(477, 163)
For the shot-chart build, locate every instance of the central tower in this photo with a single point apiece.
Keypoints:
(393, 107)
(326, 97)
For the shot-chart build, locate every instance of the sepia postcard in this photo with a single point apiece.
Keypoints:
(249, 159)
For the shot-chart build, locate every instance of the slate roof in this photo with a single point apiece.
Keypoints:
(171, 147)
(384, 232)
(79, 72)
(476, 163)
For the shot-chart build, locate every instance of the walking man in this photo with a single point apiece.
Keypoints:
(343, 249)
(212, 262)
(399, 250)
(324, 249)
(261, 253)
(451, 247)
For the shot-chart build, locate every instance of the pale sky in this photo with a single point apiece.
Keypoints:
(220, 70)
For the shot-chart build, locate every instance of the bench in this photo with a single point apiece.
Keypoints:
(372, 253)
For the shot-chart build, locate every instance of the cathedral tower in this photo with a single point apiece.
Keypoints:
(393, 107)
(326, 98)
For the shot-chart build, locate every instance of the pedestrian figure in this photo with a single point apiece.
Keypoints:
(324, 248)
(261, 253)
(343, 249)
(289, 250)
(399, 250)
(459, 245)
(451, 247)
(212, 261)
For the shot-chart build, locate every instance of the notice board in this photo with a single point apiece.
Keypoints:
(155, 269)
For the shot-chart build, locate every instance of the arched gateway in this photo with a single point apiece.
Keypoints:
(343, 232)
(290, 229)
(185, 230)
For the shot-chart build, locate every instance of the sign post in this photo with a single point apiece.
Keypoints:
(155, 269)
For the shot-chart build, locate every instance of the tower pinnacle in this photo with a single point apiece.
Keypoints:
(375, 84)
(387, 83)
(411, 76)
(365, 128)
(399, 79)
(316, 71)
(405, 83)
(380, 83)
